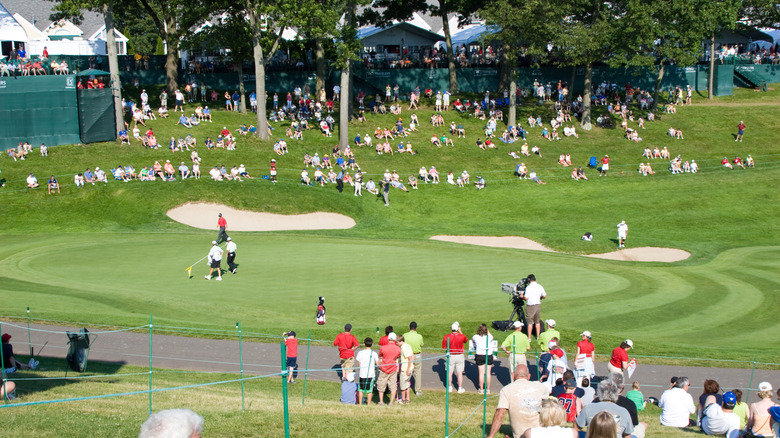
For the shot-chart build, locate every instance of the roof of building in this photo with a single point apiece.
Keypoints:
(37, 12)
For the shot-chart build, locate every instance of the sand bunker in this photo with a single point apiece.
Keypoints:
(204, 215)
(642, 254)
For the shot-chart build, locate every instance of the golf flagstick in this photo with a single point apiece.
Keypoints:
(189, 269)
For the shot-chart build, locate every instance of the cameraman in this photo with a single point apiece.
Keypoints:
(534, 294)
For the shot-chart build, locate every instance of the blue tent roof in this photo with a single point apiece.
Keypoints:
(472, 34)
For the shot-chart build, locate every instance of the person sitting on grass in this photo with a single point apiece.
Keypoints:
(100, 176)
(371, 187)
(32, 181)
(521, 171)
(184, 121)
(435, 141)
(409, 149)
(446, 141)
(532, 176)
(52, 184)
(412, 182)
(750, 161)
(726, 163)
(215, 174)
(433, 175)
(479, 183)
(738, 162)
(184, 171)
(536, 151)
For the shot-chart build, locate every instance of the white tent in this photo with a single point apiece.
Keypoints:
(10, 29)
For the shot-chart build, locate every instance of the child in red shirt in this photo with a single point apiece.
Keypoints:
(292, 354)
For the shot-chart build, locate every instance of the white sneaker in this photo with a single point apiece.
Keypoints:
(219, 278)
(451, 388)
(207, 277)
(31, 363)
(461, 390)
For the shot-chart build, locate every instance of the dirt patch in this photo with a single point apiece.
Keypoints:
(642, 254)
(204, 216)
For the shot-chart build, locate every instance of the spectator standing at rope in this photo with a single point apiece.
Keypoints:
(222, 224)
(346, 343)
(415, 340)
(231, 251)
(457, 358)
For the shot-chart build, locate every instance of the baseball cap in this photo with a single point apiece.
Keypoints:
(455, 325)
(6, 337)
(586, 333)
(729, 399)
(291, 333)
(392, 336)
(229, 239)
(630, 343)
(347, 327)
(351, 377)
(213, 242)
(763, 386)
(550, 322)
(517, 324)
(571, 383)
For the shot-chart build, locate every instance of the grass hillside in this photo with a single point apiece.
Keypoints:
(112, 254)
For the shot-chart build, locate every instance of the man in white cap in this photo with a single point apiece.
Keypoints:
(622, 229)
(551, 332)
(215, 259)
(515, 345)
(231, 252)
(457, 361)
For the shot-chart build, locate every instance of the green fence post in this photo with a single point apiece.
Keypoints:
(447, 396)
(306, 371)
(150, 364)
(241, 362)
(750, 385)
(284, 391)
(484, 396)
(29, 342)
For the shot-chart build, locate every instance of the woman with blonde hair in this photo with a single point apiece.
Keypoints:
(602, 426)
(552, 417)
(759, 420)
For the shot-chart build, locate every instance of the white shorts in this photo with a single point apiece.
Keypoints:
(605, 166)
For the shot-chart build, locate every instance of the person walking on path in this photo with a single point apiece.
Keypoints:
(622, 229)
(415, 340)
(515, 345)
(456, 359)
(346, 343)
(215, 261)
(231, 254)
(534, 294)
(222, 224)
(740, 131)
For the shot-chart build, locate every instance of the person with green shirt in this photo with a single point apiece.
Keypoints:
(544, 338)
(415, 340)
(636, 396)
(515, 345)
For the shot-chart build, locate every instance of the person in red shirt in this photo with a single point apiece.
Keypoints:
(347, 343)
(570, 402)
(222, 224)
(457, 360)
(619, 361)
(383, 340)
(388, 369)
(586, 356)
(604, 166)
(291, 344)
(273, 171)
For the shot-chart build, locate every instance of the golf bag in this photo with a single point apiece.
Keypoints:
(78, 350)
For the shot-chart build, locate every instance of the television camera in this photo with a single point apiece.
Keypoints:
(517, 291)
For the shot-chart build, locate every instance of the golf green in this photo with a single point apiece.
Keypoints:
(721, 307)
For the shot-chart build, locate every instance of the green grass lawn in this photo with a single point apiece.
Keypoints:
(109, 255)
(318, 414)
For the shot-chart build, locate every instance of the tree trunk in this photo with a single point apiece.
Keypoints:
(344, 106)
(586, 125)
(658, 81)
(241, 88)
(450, 50)
(259, 61)
(710, 85)
(322, 68)
(571, 83)
(512, 116)
(172, 58)
(504, 71)
(113, 66)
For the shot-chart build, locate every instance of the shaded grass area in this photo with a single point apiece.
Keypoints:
(318, 414)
